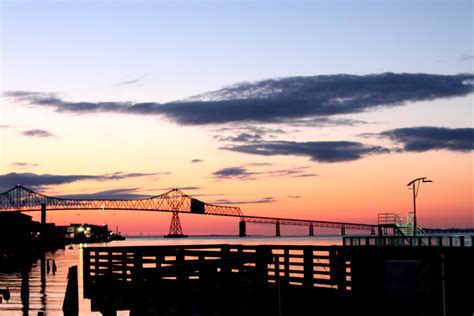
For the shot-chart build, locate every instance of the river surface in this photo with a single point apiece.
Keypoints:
(47, 295)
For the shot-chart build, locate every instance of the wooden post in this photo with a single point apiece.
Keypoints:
(124, 266)
(109, 263)
(180, 260)
(71, 299)
(261, 264)
(225, 269)
(308, 267)
(86, 268)
(137, 266)
(286, 254)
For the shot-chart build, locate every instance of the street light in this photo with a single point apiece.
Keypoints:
(415, 186)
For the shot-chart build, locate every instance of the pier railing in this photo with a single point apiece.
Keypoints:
(425, 241)
(301, 266)
(233, 279)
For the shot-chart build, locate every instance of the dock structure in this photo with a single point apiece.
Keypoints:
(278, 280)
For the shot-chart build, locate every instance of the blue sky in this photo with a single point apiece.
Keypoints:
(179, 49)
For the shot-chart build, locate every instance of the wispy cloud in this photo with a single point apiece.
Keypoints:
(245, 173)
(246, 133)
(419, 139)
(24, 165)
(294, 196)
(259, 201)
(278, 100)
(132, 82)
(34, 180)
(181, 188)
(4, 126)
(37, 133)
(196, 160)
(119, 194)
(326, 151)
(466, 58)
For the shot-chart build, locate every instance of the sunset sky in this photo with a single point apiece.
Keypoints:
(320, 110)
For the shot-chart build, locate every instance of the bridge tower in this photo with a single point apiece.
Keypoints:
(175, 227)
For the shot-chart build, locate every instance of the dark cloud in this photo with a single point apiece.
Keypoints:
(118, 194)
(38, 133)
(279, 100)
(196, 160)
(259, 201)
(33, 180)
(426, 138)
(466, 58)
(243, 172)
(24, 165)
(234, 173)
(329, 151)
(244, 137)
(246, 133)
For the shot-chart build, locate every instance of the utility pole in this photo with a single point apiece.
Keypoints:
(415, 186)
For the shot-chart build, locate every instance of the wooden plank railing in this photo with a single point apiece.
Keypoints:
(300, 266)
(426, 241)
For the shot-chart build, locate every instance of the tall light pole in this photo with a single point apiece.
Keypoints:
(415, 186)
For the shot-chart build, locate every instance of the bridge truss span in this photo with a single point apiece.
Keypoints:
(307, 222)
(23, 199)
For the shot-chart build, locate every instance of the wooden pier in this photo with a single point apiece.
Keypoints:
(278, 280)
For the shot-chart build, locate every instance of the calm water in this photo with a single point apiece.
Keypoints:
(48, 296)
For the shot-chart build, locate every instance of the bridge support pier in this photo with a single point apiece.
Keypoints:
(43, 215)
(277, 229)
(311, 230)
(372, 230)
(43, 223)
(242, 229)
(343, 230)
(380, 231)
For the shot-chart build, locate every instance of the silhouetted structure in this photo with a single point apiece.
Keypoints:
(21, 198)
(176, 230)
(71, 298)
(278, 280)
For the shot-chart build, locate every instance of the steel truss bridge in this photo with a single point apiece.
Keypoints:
(20, 198)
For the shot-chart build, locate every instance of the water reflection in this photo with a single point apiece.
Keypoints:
(25, 290)
(35, 291)
(43, 283)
